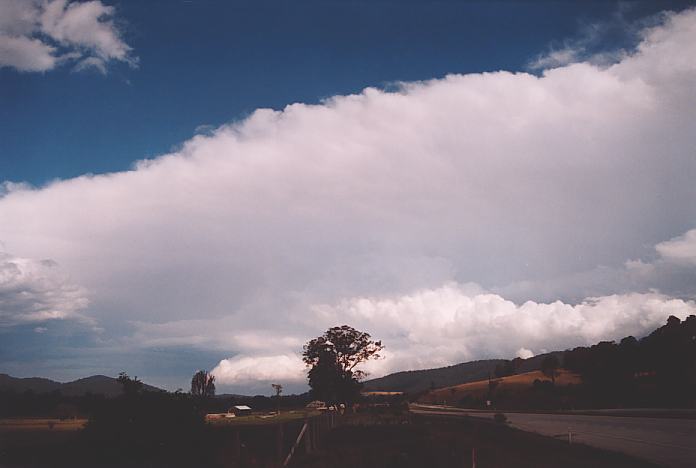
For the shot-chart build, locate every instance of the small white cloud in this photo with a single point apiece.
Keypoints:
(26, 54)
(38, 36)
(681, 249)
(40, 330)
(259, 370)
(557, 58)
(524, 353)
(91, 62)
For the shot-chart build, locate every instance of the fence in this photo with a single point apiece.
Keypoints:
(273, 445)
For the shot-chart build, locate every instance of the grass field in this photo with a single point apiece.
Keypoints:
(40, 424)
(480, 388)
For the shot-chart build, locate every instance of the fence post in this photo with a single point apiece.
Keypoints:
(308, 437)
(303, 433)
(570, 436)
(236, 445)
(473, 457)
(314, 433)
(279, 444)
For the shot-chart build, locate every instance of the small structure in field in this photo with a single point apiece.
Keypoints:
(240, 410)
(378, 393)
(317, 405)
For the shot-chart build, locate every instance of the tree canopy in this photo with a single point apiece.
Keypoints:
(333, 358)
(131, 385)
(203, 384)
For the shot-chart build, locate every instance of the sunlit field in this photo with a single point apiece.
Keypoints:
(510, 383)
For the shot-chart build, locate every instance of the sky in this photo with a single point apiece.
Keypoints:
(207, 185)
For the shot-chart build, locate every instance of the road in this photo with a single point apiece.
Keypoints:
(666, 442)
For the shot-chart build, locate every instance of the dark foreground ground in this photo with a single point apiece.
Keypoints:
(666, 438)
(374, 440)
(434, 441)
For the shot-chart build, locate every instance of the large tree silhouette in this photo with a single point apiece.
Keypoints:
(333, 358)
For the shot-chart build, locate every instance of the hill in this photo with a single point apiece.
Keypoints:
(96, 385)
(513, 383)
(421, 380)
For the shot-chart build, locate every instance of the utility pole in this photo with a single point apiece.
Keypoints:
(278, 389)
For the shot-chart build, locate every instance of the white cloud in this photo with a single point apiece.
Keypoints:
(435, 327)
(450, 324)
(680, 249)
(557, 58)
(26, 54)
(234, 240)
(35, 291)
(258, 372)
(38, 36)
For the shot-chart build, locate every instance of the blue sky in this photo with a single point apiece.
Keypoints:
(516, 163)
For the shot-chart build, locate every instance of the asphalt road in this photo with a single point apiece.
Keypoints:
(666, 442)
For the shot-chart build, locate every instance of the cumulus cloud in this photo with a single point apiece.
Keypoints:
(35, 291)
(295, 220)
(681, 249)
(450, 324)
(258, 372)
(26, 54)
(441, 326)
(38, 36)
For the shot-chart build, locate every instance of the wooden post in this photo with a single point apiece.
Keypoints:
(303, 432)
(570, 436)
(308, 437)
(314, 433)
(236, 445)
(279, 444)
(473, 457)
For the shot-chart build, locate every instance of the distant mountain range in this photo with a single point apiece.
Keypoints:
(405, 381)
(420, 380)
(96, 384)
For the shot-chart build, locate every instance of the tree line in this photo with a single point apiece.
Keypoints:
(658, 370)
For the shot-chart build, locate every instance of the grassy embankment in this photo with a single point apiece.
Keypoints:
(511, 384)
